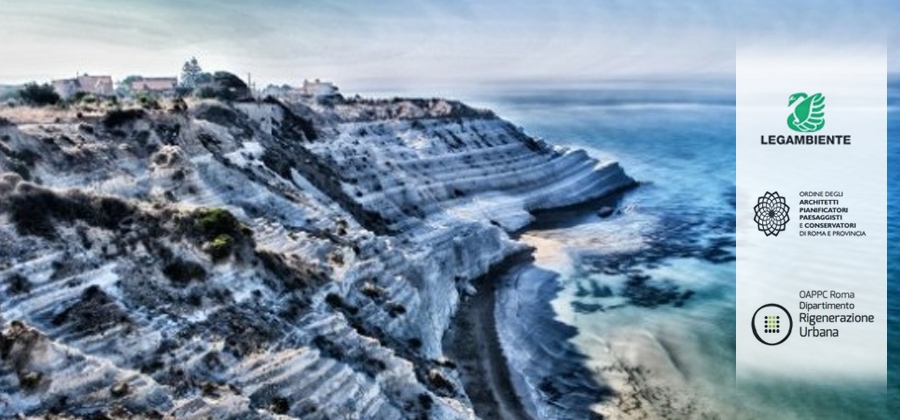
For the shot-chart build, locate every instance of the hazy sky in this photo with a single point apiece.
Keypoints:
(406, 42)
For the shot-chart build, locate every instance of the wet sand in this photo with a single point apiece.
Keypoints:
(548, 252)
(472, 343)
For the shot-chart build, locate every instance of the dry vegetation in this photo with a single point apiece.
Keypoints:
(83, 110)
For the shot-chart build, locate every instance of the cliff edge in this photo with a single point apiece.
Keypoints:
(258, 259)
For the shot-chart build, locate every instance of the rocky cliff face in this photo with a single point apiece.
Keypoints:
(258, 259)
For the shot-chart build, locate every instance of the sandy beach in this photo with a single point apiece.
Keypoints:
(473, 344)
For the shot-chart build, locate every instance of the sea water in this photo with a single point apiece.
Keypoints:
(650, 290)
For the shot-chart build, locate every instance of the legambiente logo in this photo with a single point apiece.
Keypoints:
(807, 116)
(808, 112)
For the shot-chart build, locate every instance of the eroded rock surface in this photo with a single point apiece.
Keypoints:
(259, 259)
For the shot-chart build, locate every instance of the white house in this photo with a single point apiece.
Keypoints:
(318, 88)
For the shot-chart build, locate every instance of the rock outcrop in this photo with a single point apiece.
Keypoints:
(259, 259)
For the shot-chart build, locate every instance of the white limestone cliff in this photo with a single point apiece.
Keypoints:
(356, 225)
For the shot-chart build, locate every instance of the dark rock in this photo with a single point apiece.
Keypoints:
(17, 284)
(280, 405)
(641, 292)
(373, 291)
(119, 117)
(439, 381)
(395, 309)
(683, 298)
(30, 380)
(426, 401)
(587, 308)
(414, 343)
(119, 390)
(245, 329)
(183, 272)
(581, 291)
(93, 313)
(605, 211)
(548, 388)
(600, 291)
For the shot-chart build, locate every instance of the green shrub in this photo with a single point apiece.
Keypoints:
(118, 117)
(205, 92)
(223, 86)
(221, 246)
(39, 95)
(220, 230)
(214, 222)
(79, 96)
(106, 212)
(147, 101)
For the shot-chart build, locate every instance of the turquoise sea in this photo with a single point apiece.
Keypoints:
(650, 292)
(894, 244)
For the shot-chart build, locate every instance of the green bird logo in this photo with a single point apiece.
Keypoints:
(809, 112)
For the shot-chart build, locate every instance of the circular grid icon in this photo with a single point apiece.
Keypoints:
(773, 324)
(767, 324)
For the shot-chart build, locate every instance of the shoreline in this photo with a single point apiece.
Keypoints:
(473, 343)
(473, 340)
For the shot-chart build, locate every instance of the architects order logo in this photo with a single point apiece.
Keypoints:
(772, 324)
(808, 112)
(771, 213)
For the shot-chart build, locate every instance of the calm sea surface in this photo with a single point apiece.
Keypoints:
(653, 286)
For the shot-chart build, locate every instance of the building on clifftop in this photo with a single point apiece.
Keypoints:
(319, 88)
(95, 85)
(159, 85)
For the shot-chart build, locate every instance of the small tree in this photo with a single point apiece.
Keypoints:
(191, 73)
(39, 95)
(124, 87)
(223, 86)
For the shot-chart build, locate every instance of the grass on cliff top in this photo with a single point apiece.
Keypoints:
(219, 231)
(89, 108)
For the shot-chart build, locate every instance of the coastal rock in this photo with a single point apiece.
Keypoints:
(259, 259)
(605, 211)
